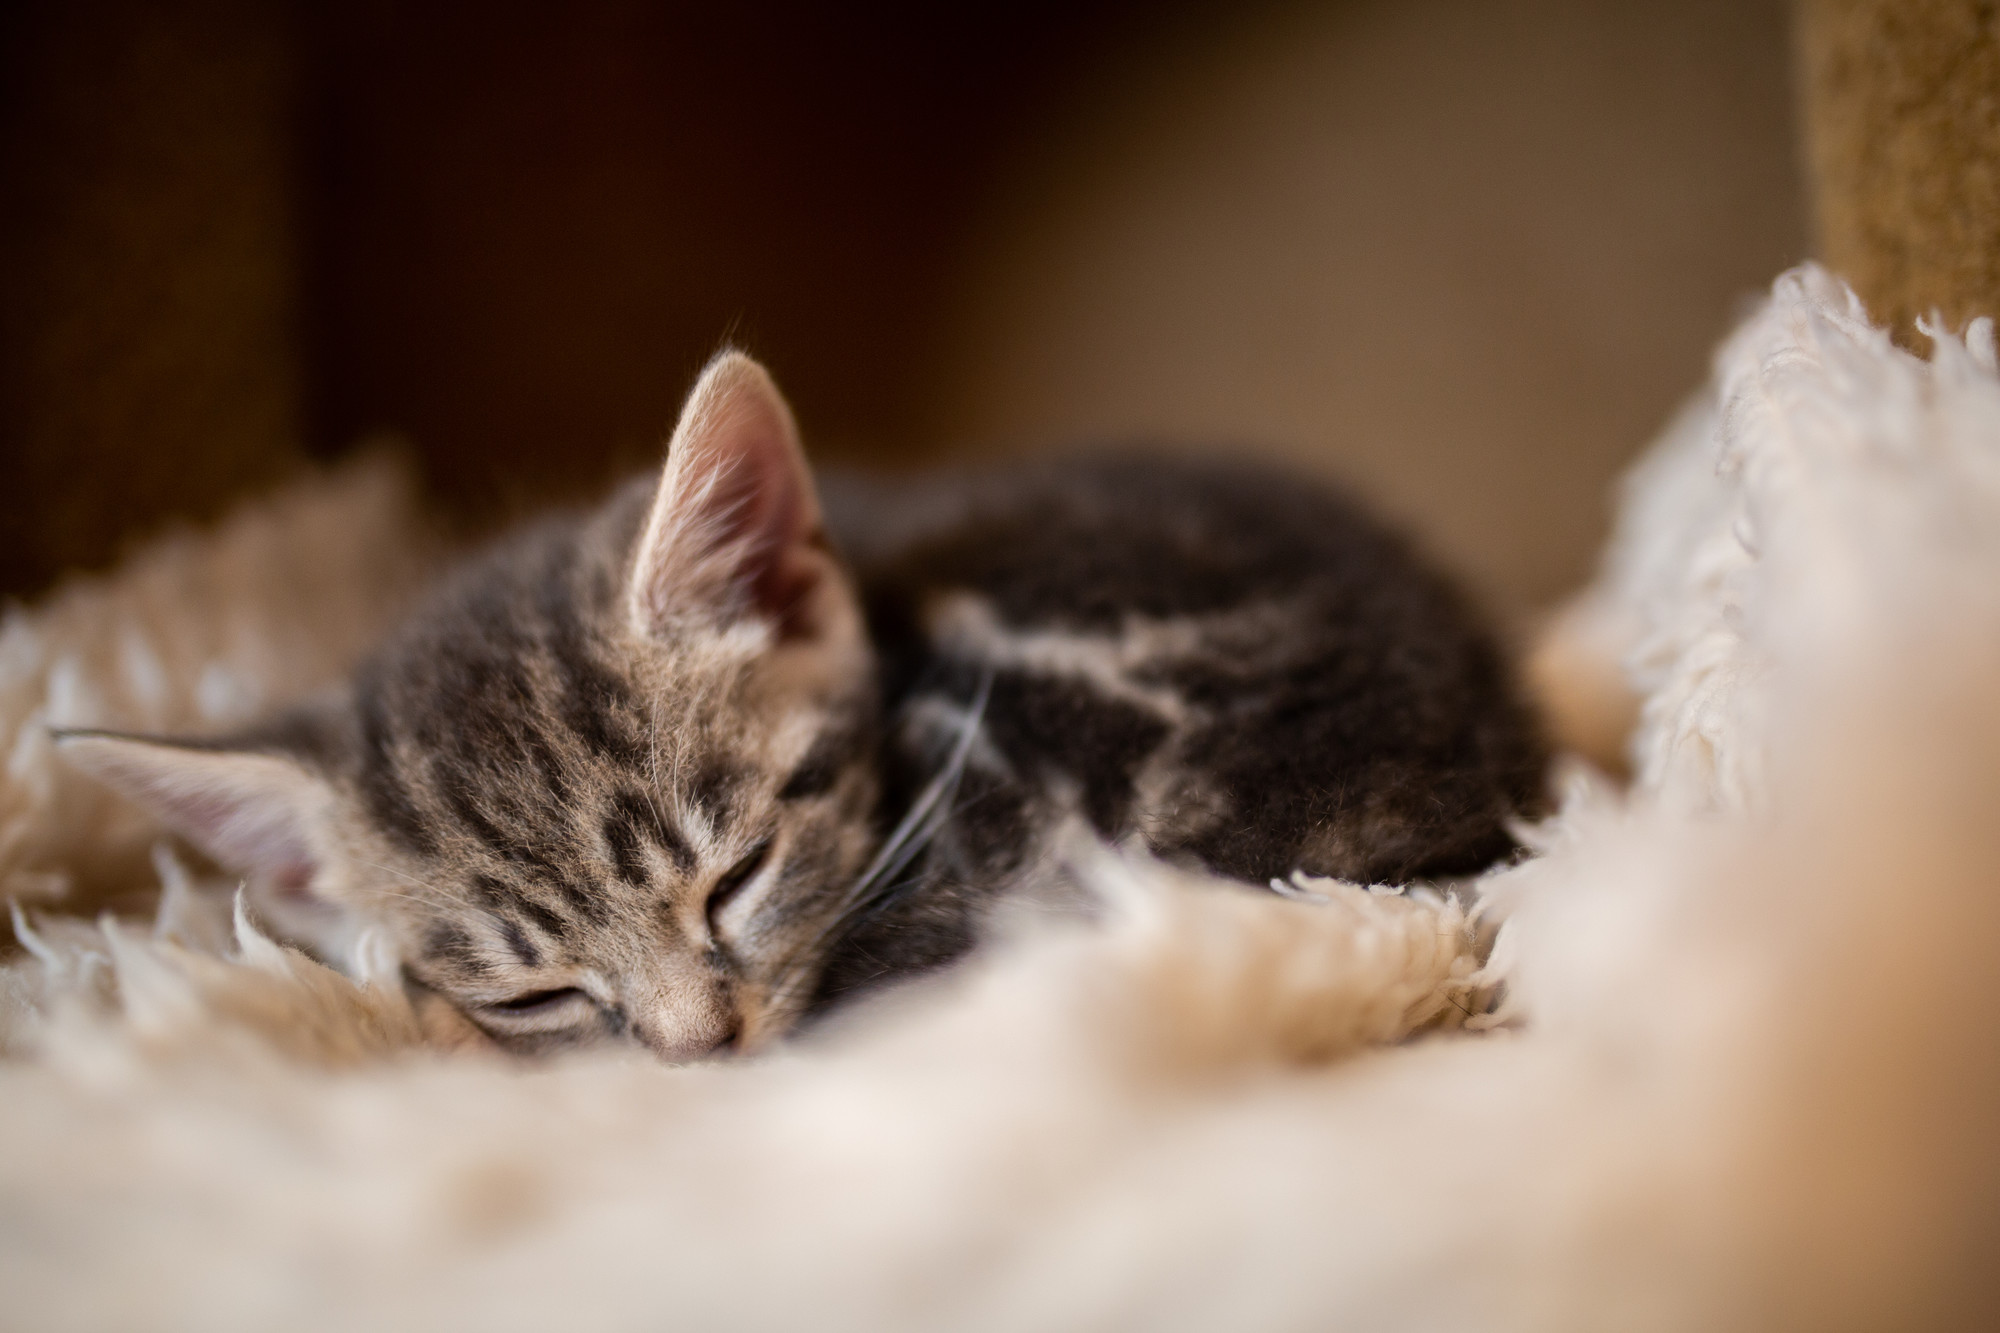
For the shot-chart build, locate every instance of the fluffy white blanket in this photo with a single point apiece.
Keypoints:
(1739, 1074)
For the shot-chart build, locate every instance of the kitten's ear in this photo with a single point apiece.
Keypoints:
(735, 529)
(256, 813)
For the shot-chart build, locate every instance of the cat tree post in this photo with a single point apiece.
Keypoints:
(1900, 101)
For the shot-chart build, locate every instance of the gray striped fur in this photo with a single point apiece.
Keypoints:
(628, 774)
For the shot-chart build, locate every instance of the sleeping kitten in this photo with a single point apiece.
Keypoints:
(673, 771)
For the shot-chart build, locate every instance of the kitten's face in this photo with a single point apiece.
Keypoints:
(659, 856)
(613, 783)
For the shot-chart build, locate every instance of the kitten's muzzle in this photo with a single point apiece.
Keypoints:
(687, 1048)
(681, 1034)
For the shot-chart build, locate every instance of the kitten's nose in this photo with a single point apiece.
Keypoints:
(677, 1041)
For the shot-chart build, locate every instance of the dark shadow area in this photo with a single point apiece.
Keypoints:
(1463, 253)
(530, 224)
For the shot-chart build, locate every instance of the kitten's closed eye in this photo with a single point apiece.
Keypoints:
(542, 1019)
(731, 884)
(537, 1002)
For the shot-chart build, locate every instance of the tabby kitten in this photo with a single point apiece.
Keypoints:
(674, 771)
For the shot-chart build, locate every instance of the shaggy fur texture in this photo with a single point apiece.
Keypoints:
(1745, 1080)
(194, 634)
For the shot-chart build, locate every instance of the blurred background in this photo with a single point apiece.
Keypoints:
(1467, 254)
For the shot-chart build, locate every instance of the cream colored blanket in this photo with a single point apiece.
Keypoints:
(1727, 1066)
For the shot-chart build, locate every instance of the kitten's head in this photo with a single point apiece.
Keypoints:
(614, 779)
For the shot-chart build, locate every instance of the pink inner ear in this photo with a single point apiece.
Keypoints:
(754, 504)
(250, 830)
(248, 810)
(735, 526)
(780, 529)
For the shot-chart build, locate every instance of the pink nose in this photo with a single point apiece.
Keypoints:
(683, 1042)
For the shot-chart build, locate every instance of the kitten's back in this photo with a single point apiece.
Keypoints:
(1241, 668)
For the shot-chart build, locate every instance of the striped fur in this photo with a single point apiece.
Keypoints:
(1241, 671)
(641, 773)
(568, 797)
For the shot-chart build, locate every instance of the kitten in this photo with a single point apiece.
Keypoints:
(631, 774)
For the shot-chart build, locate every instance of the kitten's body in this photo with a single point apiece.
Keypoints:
(1242, 670)
(630, 773)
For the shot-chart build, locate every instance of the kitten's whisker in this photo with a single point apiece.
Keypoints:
(939, 789)
(651, 789)
(871, 894)
(877, 886)
(391, 870)
(882, 901)
(391, 893)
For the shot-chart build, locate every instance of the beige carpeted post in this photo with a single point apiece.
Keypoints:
(1901, 107)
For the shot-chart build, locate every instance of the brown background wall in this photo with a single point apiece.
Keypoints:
(1468, 252)
(149, 270)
